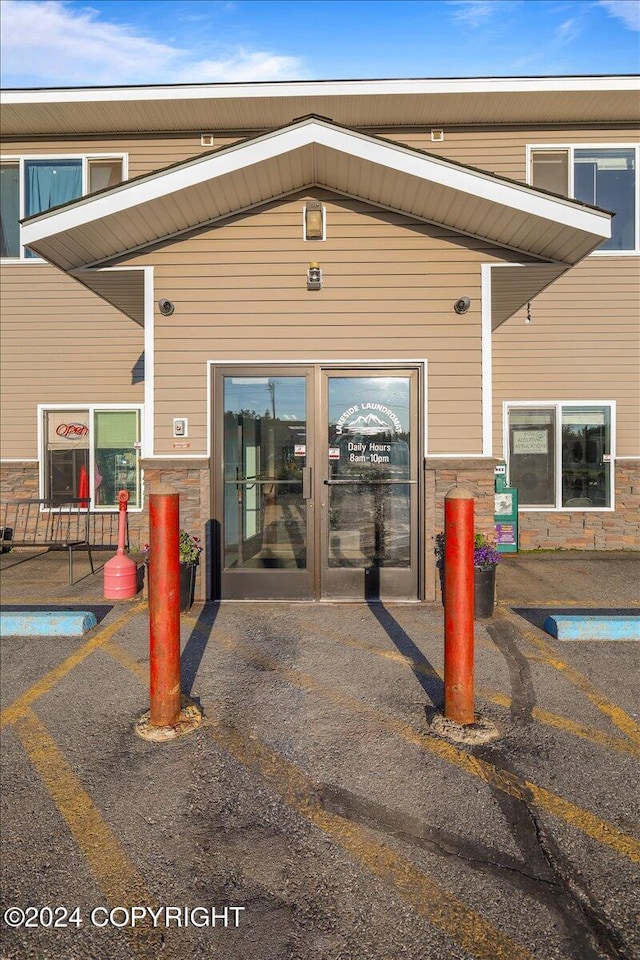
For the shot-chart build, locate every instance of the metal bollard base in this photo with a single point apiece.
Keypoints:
(480, 731)
(189, 719)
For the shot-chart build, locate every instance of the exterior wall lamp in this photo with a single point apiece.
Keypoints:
(314, 277)
(313, 220)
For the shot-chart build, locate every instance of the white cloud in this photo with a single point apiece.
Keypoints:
(472, 13)
(568, 30)
(46, 43)
(626, 10)
(244, 66)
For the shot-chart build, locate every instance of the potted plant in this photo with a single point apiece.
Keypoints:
(485, 560)
(189, 551)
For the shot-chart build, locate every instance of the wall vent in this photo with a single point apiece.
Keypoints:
(437, 136)
(206, 139)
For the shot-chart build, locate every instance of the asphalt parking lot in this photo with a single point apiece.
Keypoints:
(314, 815)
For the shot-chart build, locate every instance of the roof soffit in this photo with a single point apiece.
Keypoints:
(364, 103)
(313, 151)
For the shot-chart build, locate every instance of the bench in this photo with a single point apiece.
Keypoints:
(46, 523)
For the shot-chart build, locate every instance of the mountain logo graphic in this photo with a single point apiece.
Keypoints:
(357, 419)
(367, 421)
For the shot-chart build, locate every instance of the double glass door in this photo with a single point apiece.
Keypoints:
(317, 486)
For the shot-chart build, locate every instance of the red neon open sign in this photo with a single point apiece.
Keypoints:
(72, 430)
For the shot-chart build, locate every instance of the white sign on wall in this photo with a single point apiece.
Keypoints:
(530, 441)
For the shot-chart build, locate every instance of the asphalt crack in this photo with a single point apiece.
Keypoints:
(410, 829)
(523, 695)
(605, 935)
(588, 929)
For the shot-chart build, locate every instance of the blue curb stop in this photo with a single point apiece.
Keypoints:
(604, 627)
(46, 623)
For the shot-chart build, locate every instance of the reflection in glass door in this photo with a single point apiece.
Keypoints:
(317, 483)
(265, 497)
(370, 486)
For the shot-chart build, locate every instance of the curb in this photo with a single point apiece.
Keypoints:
(603, 627)
(47, 623)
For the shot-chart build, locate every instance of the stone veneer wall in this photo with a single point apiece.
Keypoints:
(441, 474)
(594, 530)
(20, 480)
(192, 480)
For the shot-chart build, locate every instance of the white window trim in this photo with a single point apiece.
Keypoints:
(557, 405)
(42, 408)
(83, 157)
(571, 148)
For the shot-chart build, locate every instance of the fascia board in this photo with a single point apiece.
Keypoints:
(314, 132)
(324, 88)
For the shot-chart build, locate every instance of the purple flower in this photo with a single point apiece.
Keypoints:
(485, 554)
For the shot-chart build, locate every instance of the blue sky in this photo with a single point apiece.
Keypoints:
(68, 43)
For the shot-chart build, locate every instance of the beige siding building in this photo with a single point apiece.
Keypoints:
(314, 307)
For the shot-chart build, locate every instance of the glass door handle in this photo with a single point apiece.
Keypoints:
(306, 483)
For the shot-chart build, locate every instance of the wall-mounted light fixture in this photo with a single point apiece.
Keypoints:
(462, 305)
(314, 277)
(166, 307)
(313, 218)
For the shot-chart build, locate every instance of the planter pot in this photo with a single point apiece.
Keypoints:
(484, 591)
(187, 585)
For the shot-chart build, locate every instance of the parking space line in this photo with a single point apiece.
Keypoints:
(49, 680)
(616, 714)
(123, 885)
(601, 739)
(597, 737)
(427, 898)
(503, 780)
(125, 660)
(119, 880)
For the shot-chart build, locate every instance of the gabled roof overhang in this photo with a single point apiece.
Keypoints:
(96, 230)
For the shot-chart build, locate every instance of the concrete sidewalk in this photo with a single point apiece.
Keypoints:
(568, 577)
(607, 579)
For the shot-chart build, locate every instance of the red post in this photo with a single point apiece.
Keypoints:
(458, 606)
(164, 608)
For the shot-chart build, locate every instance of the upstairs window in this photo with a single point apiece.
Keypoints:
(9, 210)
(29, 186)
(604, 176)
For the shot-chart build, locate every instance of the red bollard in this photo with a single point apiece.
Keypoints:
(458, 606)
(121, 572)
(164, 608)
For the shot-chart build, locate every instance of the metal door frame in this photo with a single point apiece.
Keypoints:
(357, 583)
(260, 584)
(316, 371)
